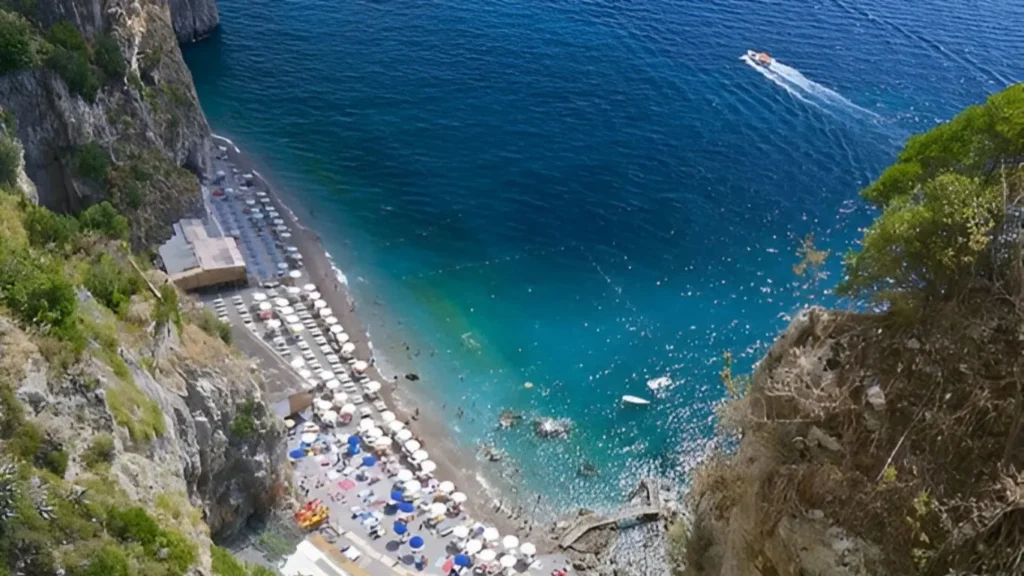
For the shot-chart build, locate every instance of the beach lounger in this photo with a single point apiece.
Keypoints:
(365, 412)
(380, 405)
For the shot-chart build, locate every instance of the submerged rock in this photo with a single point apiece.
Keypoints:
(508, 419)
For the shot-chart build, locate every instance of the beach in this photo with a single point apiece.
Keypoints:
(453, 463)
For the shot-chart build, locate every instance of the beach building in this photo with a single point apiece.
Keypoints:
(315, 557)
(193, 259)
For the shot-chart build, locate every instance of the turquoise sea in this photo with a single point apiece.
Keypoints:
(587, 195)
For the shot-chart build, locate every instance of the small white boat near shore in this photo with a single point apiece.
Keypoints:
(635, 400)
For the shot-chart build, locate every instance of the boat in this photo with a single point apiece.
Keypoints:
(636, 400)
(656, 384)
(760, 58)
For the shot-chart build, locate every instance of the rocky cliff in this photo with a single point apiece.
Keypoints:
(144, 112)
(194, 19)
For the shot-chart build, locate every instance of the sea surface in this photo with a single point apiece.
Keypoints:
(586, 195)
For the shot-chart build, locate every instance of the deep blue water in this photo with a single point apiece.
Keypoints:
(588, 194)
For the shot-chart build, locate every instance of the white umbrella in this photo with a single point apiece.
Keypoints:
(396, 426)
(403, 435)
(295, 327)
(309, 437)
(341, 337)
(261, 193)
(305, 374)
(438, 509)
(266, 306)
(298, 363)
(348, 409)
(460, 531)
(280, 227)
(273, 323)
(337, 330)
(314, 295)
(309, 287)
(284, 235)
(293, 319)
(250, 202)
(373, 387)
(331, 320)
(411, 486)
(419, 456)
(258, 296)
(446, 487)
(322, 404)
(367, 423)
(294, 290)
(330, 417)
(510, 542)
(286, 311)
(404, 475)
(333, 383)
(348, 348)
(527, 549)
(279, 221)
(486, 555)
(428, 466)
(459, 497)
(373, 433)
(282, 265)
(325, 312)
(319, 303)
(383, 442)
(340, 399)
(413, 445)
(508, 561)
(491, 534)
(360, 366)
(280, 302)
(474, 546)
(387, 416)
(325, 374)
(295, 274)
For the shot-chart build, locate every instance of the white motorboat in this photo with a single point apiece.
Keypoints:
(635, 400)
(760, 58)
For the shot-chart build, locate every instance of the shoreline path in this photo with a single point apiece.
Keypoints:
(355, 449)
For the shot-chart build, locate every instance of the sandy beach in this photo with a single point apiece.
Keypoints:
(453, 463)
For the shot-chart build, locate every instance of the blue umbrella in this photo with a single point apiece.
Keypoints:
(396, 495)
(353, 450)
(369, 461)
(463, 560)
(297, 453)
(354, 440)
(406, 507)
(416, 543)
(400, 528)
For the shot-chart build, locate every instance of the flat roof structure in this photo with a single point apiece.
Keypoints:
(315, 557)
(194, 260)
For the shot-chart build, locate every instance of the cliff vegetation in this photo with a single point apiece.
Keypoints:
(890, 441)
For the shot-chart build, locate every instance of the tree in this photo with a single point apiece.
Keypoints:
(927, 245)
(111, 283)
(16, 51)
(91, 161)
(46, 228)
(10, 158)
(105, 219)
(108, 58)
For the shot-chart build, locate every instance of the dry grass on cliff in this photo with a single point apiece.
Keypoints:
(934, 479)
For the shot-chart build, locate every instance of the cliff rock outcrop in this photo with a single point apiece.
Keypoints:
(150, 115)
(194, 19)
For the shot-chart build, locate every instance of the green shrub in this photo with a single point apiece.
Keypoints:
(112, 283)
(46, 228)
(16, 51)
(37, 291)
(166, 309)
(10, 161)
(65, 35)
(76, 71)
(105, 219)
(243, 425)
(91, 161)
(209, 323)
(26, 441)
(108, 58)
(12, 415)
(56, 461)
(135, 525)
(100, 451)
(109, 561)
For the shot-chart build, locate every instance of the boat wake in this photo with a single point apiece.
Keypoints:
(808, 91)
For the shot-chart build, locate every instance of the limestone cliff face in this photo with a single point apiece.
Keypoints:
(199, 461)
(153, 109)
(194, 19)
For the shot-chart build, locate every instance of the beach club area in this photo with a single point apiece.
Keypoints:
(373, 501)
